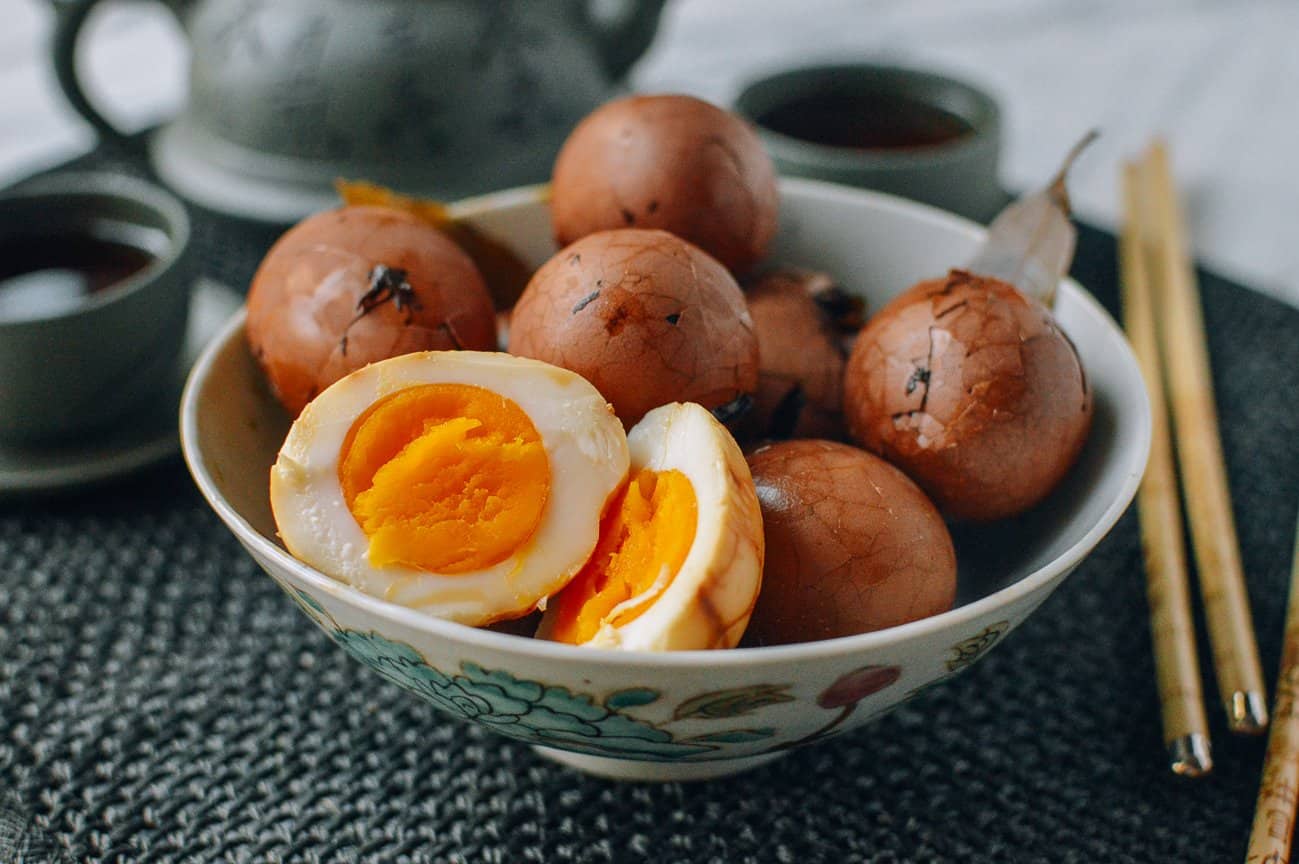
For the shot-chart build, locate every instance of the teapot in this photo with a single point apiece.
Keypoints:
(439, 98)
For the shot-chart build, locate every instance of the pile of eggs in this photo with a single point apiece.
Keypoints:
(661, 457)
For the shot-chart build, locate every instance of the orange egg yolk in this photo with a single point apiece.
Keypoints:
(445, 478)
(644, 538)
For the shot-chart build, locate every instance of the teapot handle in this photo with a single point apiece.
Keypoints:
(70, 15)
(622, 42)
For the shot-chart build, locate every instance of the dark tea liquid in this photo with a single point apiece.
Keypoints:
(52, 274)
(865, 120)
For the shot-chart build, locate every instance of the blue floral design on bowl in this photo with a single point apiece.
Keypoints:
(526, 710)
(557, 717)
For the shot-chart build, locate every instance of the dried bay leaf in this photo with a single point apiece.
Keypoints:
(1031, 243)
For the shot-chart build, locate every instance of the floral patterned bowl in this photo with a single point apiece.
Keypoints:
(697, 714)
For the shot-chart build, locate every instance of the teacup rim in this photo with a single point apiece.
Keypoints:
(799, 150)
(65, 184)
(504, 643)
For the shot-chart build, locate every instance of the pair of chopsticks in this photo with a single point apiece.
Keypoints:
(1159, 276)
(1161, 309)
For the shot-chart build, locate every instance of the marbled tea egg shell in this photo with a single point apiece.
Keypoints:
(646, 317)
(974, 391)
(805, 325)
(304, 321)
(852, 545)
(671, 162)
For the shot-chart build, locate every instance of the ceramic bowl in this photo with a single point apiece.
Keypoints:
(695, 714)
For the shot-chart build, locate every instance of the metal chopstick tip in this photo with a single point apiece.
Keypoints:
(1189, 756)
(1248, 713)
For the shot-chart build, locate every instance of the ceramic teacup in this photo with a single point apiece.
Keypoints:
(72, 365)
(917, 134)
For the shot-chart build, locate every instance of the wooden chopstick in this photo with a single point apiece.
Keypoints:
(1177, 668)
(1199, 450)
(1269, 840)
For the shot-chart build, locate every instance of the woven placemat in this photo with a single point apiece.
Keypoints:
(161, 700)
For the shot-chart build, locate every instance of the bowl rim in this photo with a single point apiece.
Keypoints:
(537, 649)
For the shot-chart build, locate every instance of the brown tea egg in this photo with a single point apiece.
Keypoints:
(973, 390)
(679, 562)
(852, 545)
(466, 485)
(672, 162)
(805, 325)
(644, 316)
(356, 285)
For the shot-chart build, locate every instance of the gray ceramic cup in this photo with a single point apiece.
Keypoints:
(959, 175)
(71, 372)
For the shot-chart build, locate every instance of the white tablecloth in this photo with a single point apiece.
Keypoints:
(1220, 80)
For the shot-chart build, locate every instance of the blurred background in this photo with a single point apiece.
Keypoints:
(1217, 78)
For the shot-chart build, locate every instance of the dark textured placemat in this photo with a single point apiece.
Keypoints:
(161, 700)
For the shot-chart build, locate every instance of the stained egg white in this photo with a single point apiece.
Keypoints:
(583, 440)
(709, 601)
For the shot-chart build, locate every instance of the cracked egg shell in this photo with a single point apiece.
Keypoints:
(671, 162)
(852, 545)
(467, 485)
(974, 391)
(308, 290)
(679, 563)
(646, 317)
(805, 325)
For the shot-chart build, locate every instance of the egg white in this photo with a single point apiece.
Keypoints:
(709, 601)
(583, 440)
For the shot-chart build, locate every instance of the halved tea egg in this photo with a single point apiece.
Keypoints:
(679, 562)
(467, 485)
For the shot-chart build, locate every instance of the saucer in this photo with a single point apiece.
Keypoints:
(148, 438)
